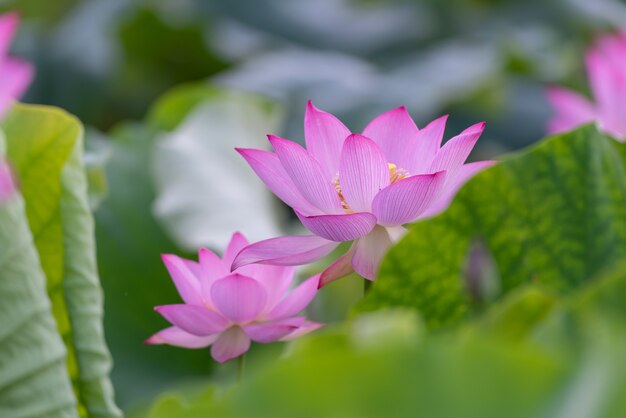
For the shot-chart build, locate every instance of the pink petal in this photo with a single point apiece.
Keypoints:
(396, 233)
(8, 25)
(603, 80)
(346, 227)
(196, 320)
(211, 266)
(297, 300)
(451, 188)
(396, 135)
(231, 344)
(285, 251)
(324, 135)
(305, 328)
(276, 280)
(237, 243)
(608, 83)
(186, 282)
(179, 338)
(209, 269)
(267, 166)
(238, 298)
(272, 331)
(428, 143)
(307, 175)
(7, 185)
(454, 152)
(273, 279)
(570, 104)
(195, 268)
(369, 251)
(613, 49)
(339, 269)
(572, 109)
(404, 201)
(15, 77)
(363, 172)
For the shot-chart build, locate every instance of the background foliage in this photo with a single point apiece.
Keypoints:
(507, 302)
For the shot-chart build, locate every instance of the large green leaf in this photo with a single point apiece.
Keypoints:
(34, 380)
(554, 215)
(45, 147)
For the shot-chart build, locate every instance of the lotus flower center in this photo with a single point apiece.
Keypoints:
(395, 174)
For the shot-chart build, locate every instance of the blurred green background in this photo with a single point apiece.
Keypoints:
(166, 89)
(107, 60)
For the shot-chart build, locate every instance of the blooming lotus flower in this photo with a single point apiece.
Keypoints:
(359, 188)
(606, 69)
(7, 186)
(227, 310)
(15, 74)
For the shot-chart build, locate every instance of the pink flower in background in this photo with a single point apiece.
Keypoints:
(359, 188)
(15, 74)
(7, 185)
(227, 310)
(606, 69)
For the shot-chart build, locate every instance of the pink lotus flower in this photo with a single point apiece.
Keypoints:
(360, 188)
(15, 74)
(606, 69)
(226, 310)
(7, 186)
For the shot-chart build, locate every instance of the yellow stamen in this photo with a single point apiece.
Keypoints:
(344, 204)
(396, 174)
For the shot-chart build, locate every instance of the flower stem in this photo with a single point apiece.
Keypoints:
(241, 361)
(367, 284)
